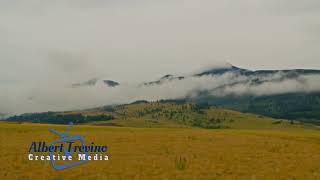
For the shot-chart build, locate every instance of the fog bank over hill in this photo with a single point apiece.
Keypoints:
(220, 81)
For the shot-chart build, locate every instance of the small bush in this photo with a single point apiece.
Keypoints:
(181, 163)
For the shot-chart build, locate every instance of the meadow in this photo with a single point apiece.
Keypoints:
(169, 153)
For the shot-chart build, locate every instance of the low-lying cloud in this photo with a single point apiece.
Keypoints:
(53, 96)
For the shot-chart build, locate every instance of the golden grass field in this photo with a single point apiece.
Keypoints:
(169, 153)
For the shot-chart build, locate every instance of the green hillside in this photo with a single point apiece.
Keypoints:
(160, 114)
(304, 107)
(171, 114)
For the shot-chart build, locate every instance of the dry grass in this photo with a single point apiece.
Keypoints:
(160, 153)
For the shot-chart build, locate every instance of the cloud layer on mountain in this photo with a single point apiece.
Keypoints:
(42, 97)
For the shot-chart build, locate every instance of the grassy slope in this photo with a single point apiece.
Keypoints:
(185, 115)
(251, 146)
(164, 114)
(170, 153)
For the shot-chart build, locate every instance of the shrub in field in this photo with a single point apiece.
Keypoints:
(181, 163)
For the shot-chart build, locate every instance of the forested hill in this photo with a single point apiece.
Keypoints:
(295, 106)
(158, 114)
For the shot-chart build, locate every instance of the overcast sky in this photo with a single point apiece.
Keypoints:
(144, 39)
(44, 43)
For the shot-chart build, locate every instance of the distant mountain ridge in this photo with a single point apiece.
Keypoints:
(286, 74)
(302, 104)
(94, 81)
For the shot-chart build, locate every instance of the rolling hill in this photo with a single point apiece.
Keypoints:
(159, 114)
